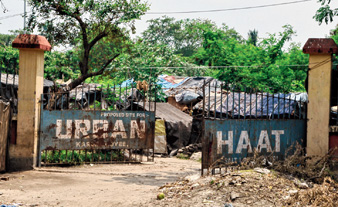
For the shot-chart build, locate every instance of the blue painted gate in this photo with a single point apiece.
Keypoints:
(239, 124)
(89, 124)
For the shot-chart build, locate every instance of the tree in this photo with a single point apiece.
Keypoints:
(182, 36)
(92, 26)
(6, 39)
(253, 37)
(325, 12)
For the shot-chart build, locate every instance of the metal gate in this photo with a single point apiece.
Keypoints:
(91, 124)
(241, 123)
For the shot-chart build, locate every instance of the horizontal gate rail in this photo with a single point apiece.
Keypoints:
(238, 123)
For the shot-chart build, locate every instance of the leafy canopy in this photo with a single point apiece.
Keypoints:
(93, 26)
(325, 12)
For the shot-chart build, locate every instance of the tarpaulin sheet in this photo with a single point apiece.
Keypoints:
(160, 137)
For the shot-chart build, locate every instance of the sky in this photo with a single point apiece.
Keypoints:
(266, 20)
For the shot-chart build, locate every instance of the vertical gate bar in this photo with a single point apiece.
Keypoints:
(1, 92)
(107, 97)
(278, 99)
(289, 106)
(61, 101)
(101, 96)
(132, 94)
(75, 98)
(209, 101)
(221, 100)
(73, 151)
(267, 105)
(262, 104)
(125, 94)
(273, 105)
(85, 160)
(300, 111)
(46, 160)
(82, 97)
(227, 111)
(92, 155)
(337, 109)
(250, 92)
(105, 155)
(66, 156)
(155, 91)
(120, 95)
(111, 156)
(59, 151)
(239, 104)
(256, 103)
(215, 102)
(114, 98)
(40, 130)
(149, 97)
(284, 106)
(88, 97)
(203, 110)
(6, 82)
(95, 97)
(233, 102)
(55, 99)
(244, 102)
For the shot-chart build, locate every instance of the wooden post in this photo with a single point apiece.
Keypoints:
(319, 92)
(23, 155)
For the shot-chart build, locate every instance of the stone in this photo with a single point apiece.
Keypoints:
(196, 156)
(292, 192)
(234, 195)
(173, 153)
(262, 170)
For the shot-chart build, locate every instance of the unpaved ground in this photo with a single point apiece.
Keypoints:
(97, 185)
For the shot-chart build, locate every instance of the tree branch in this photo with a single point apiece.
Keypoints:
(96, 39)
(83, 77)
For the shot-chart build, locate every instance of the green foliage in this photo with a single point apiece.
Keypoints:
(9, 59)
(325, 12)
(181, 36)
(80, 156)
(61, 65)
(6, 40)
(98, 29)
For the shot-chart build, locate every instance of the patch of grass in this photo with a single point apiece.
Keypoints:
(182, 156)
(80, 156)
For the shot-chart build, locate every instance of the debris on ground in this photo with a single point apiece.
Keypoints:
(246, 188)
(299, 180)
(188, 151)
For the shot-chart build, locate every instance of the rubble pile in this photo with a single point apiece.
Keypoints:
(187, 151)
(258, 187)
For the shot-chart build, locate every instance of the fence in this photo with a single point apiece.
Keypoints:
(9, 87)
(4, 128)
(239, 123)
(95, 124)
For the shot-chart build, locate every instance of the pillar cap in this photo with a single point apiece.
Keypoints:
(317, 46)
(31, 42)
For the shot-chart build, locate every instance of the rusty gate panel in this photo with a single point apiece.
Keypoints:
(237, 139)
(80, 130)
(240, 122)
(4, 127)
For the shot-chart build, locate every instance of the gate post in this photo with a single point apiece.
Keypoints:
(23, 155)
(319, 93)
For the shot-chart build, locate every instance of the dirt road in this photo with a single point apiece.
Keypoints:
(97, 185)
